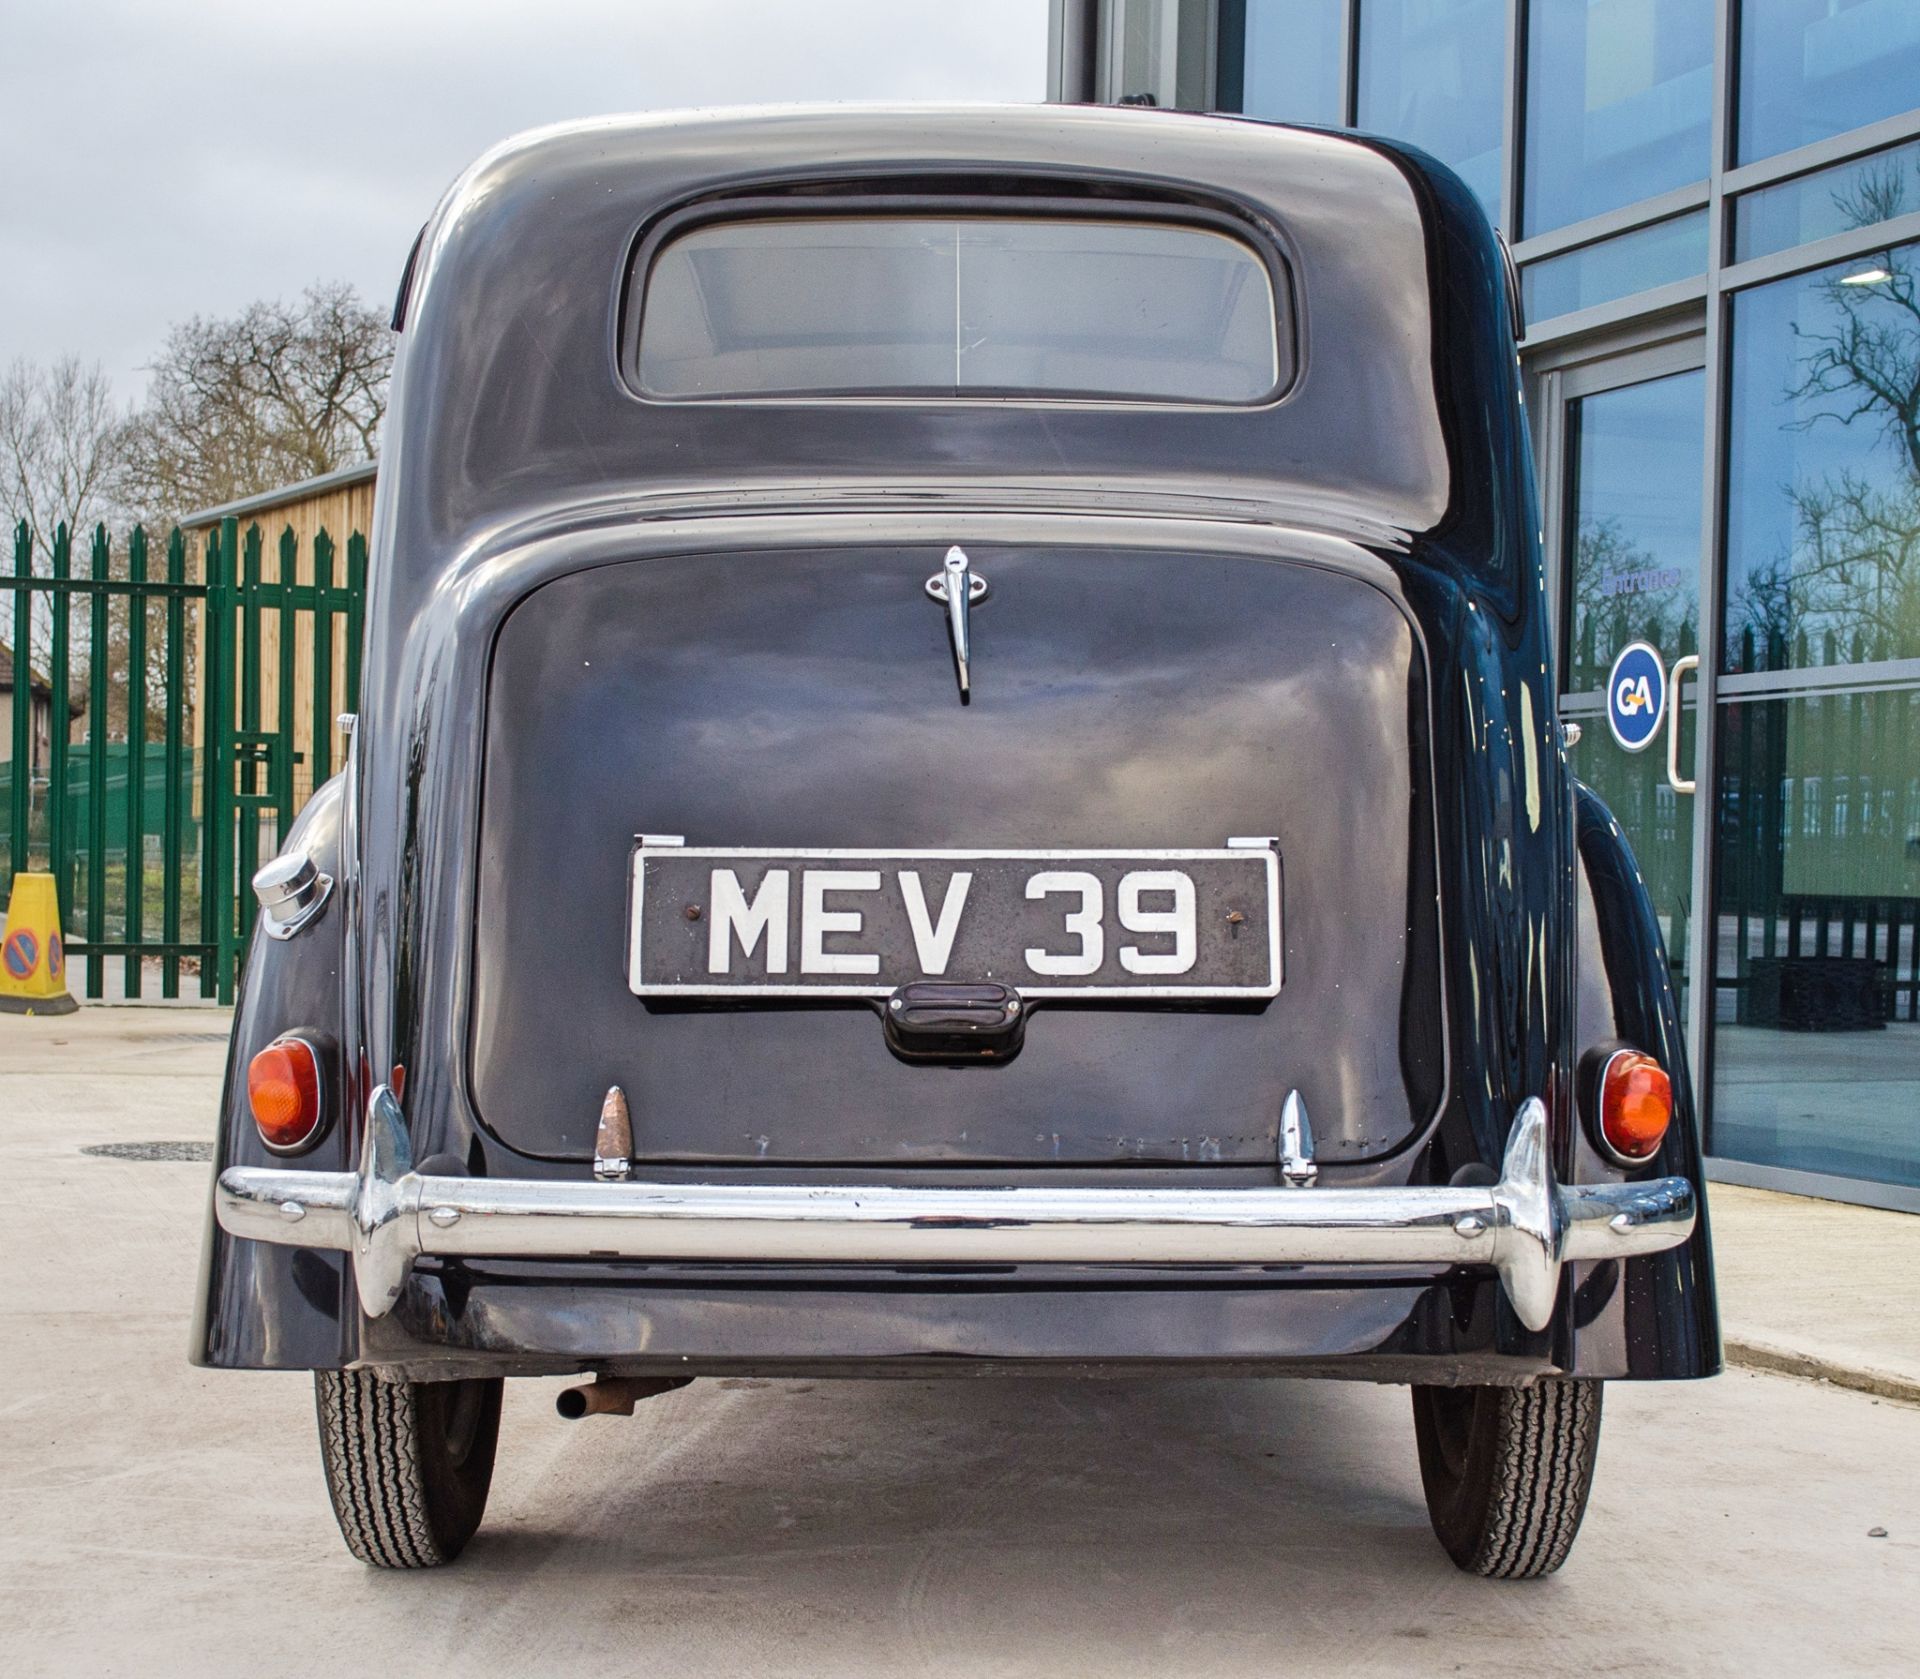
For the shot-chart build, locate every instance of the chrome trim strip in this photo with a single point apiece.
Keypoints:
(1297, 1170)
(387, 1215)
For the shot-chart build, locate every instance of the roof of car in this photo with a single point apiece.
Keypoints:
(511, 404)
(963, 133)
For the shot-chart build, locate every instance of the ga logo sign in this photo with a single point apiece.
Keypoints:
(1636, 696)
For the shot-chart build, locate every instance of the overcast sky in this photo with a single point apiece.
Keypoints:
(165, 158)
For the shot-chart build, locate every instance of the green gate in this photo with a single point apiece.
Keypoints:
(165, 732)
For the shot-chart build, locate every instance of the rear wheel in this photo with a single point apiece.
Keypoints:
(408, 1463)
(1507, 1471)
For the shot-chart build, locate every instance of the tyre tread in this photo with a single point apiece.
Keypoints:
(369, 1444)
(1546, 1435)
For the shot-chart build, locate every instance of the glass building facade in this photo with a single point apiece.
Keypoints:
(1715, 208)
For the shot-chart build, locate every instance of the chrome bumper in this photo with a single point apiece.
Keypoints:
(387, 1215)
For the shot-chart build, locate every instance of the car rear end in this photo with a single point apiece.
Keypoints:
(958, 774)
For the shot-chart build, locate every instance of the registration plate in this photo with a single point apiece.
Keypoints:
(711, 921)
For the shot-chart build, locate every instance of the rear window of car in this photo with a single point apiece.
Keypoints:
(960, 306)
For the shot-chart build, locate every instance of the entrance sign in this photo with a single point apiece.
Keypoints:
(1636, 696)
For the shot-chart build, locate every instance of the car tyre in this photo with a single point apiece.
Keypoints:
(1507, 1471)
(408, 1463)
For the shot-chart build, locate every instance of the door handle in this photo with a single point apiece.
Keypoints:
(1682, 668)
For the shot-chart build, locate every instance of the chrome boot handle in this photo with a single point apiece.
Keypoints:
(957, 586)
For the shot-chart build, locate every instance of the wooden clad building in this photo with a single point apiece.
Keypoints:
(338, 504)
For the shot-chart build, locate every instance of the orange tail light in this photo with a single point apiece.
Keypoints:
(1636, 1106)
(283, 1090)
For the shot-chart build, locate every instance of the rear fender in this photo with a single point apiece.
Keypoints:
(261, 1307)
(1654, 1317)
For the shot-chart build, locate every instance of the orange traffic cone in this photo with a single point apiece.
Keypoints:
(33, 961)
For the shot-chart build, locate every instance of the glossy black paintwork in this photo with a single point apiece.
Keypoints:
(516, 457)
(260, 1306)
(1667, 1319)
(1151, 699)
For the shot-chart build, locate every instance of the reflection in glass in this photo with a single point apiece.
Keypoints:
(1657, 821)
(1811, 68)
(1863, 193)
(1817, 1046)
(1675, 249)
(1430, 73)
(1165, 53)
(1619, 94)
(1635, 457)
(1823, 497)
(1281, 59)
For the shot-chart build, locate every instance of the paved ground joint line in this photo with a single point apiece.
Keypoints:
(1782, 1361)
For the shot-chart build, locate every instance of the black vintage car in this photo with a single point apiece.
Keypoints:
(958, 773)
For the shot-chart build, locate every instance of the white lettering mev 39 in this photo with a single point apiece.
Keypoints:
(745, 922)
(1173, 924)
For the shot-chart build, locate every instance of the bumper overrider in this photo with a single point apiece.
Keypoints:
(386, 1215)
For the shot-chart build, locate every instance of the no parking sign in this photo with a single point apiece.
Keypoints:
(1636, 696)
(33, 964)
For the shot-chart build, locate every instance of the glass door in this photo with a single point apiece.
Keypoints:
(1624, 446)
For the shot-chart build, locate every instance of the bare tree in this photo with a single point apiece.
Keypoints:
(62, 444)
(274, 394)
(1849, 575)
(1877, 194)
(1868, 366)
(62, 439)
(1850, 584)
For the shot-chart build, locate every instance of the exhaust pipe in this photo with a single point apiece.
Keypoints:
(610, 1396)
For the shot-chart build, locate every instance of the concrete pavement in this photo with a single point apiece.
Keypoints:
(1819, 1289)
(163, 1520)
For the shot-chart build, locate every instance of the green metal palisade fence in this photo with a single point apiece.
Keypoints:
(152, 790)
